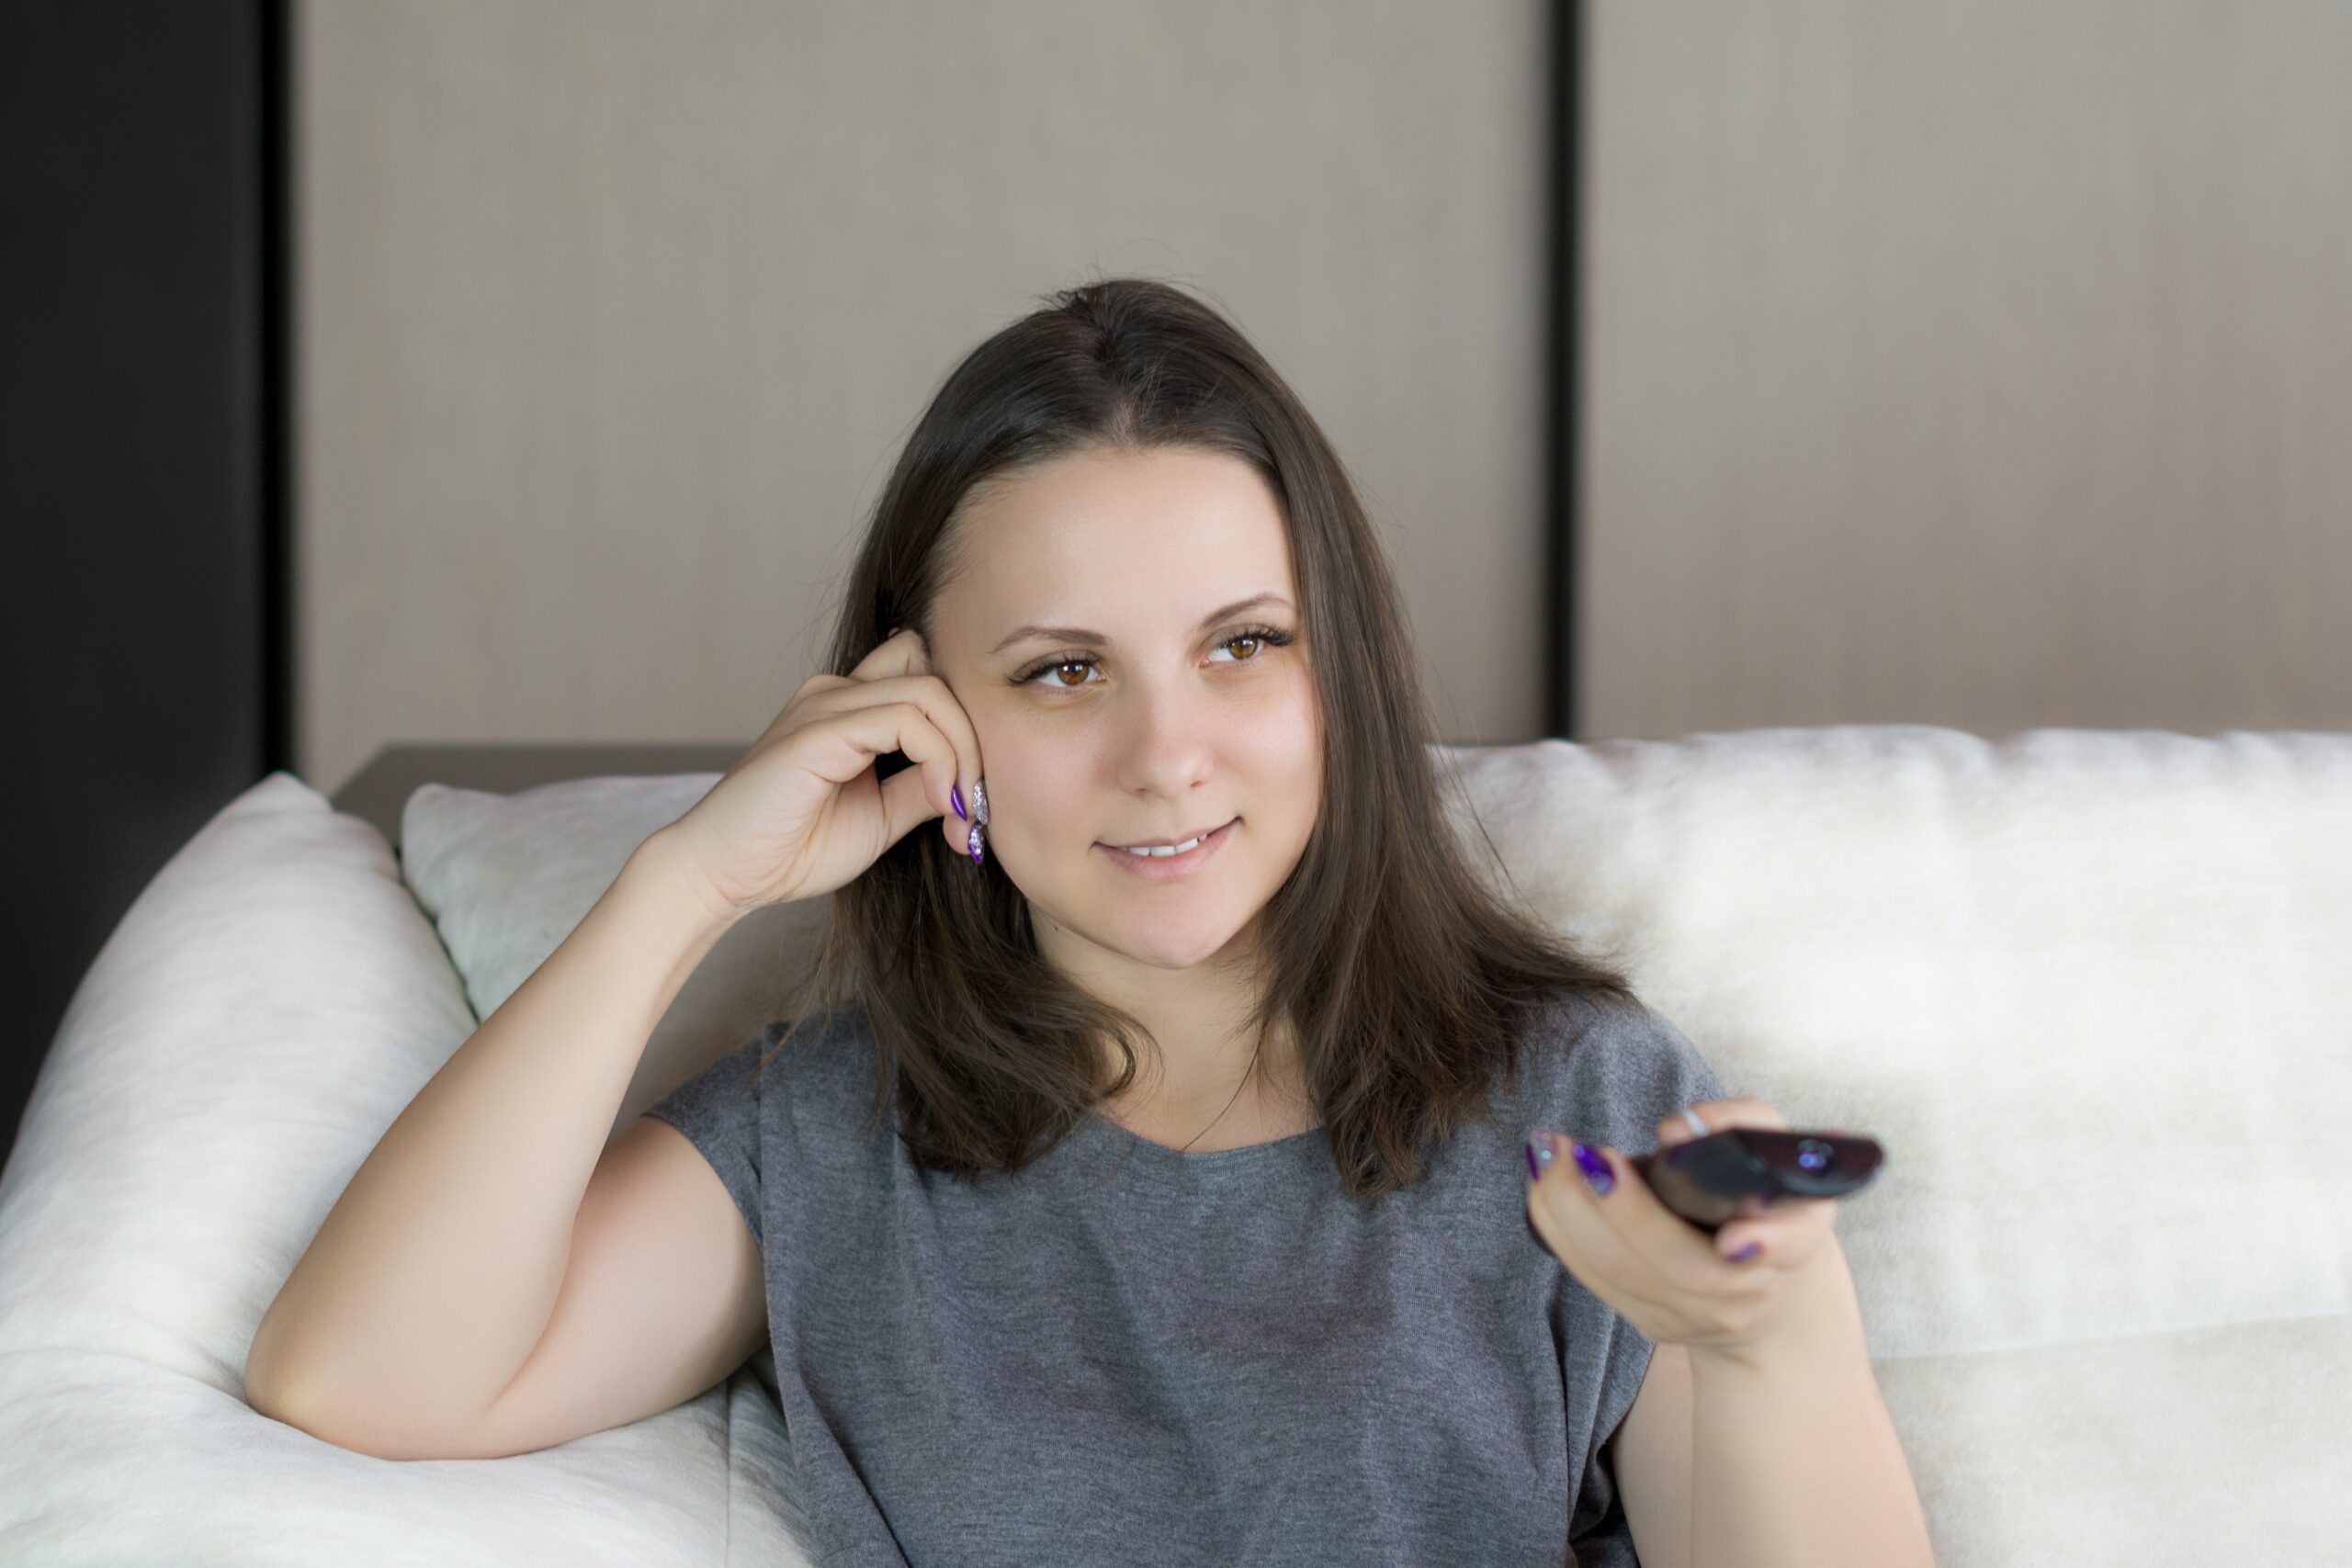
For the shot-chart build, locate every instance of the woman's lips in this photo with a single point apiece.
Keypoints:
(1168, 868)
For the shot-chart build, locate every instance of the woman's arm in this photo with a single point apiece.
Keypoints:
(1765, 1432)
(436, 1271)
(1794, 1460)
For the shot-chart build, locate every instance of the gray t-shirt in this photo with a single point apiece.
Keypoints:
(1130, 1354)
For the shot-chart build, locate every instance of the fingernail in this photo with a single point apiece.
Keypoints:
(1597, 1174)
(1539, 1152)
(956, 795)
(972, 842)
(980, 800)
(1745, 1253)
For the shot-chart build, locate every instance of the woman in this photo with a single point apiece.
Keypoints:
(1200, 1230)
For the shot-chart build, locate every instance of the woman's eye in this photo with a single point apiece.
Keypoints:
(1264, 641)
(1264, 636)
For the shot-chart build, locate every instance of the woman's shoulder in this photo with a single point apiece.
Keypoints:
(821, 1022)
(1604, 1053)
(822, 1039)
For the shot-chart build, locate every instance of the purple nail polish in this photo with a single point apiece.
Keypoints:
(1745, 1253)
(1596, 1173)
(956, 795)
(972, 844)
(1538, 1154)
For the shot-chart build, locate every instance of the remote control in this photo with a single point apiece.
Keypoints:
(1707, 1179)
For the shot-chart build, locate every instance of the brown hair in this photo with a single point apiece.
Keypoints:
(1407, 981)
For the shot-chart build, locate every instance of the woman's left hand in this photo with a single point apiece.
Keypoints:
(1664, 1274)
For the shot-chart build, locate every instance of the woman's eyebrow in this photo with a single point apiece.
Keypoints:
(1080, 633)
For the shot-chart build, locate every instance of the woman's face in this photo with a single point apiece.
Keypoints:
(1147, 715)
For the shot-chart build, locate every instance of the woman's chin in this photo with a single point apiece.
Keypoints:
(1166, 947)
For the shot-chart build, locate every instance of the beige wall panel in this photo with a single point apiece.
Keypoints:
(613, 316)
(1984, 362)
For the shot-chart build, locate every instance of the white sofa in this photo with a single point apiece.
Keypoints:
(2091, 989)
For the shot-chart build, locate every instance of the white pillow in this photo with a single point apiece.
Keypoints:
(269, 1004)
(506, 878)
(264, 1009)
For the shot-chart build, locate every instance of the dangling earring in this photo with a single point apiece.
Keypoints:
(976, 840)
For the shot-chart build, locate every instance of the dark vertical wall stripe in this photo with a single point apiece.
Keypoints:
(1565, 140)
(276, 106)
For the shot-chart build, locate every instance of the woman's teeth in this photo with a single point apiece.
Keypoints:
(1170, 849)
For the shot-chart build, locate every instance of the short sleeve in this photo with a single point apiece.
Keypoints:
(1636, 1069)
(719, 1111)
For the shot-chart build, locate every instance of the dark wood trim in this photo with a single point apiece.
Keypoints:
(379, 792)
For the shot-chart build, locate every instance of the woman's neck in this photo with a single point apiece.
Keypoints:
(1186, 1103)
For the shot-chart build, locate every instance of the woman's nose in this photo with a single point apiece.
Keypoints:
(1170, 731)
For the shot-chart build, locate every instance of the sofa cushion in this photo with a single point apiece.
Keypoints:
(2086, 986)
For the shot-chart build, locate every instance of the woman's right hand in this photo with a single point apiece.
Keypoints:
(802, 813)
